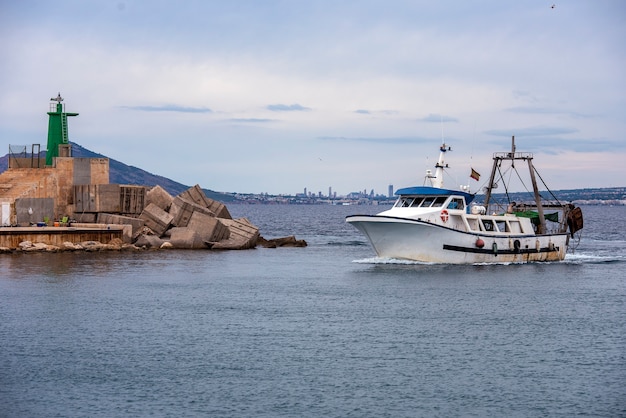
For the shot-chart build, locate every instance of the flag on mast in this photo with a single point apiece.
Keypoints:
(475, 175)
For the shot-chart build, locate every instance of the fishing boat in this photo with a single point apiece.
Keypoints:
(433, 224)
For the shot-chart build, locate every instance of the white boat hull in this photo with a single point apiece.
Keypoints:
(417, 240)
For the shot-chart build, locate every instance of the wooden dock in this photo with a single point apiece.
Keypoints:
(11, 237)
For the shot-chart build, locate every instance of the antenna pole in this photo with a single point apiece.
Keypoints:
(513, 151)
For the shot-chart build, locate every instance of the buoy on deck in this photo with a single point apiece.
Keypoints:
(480, 243)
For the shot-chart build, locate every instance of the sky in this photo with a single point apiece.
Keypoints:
(275, 96)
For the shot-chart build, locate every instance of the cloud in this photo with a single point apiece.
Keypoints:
(169, 108)
(438, 118)
(532, 110)
(251, 120)
(381, 140)
(555, 75)
(287, 108)
(532, 131)
(376, 112)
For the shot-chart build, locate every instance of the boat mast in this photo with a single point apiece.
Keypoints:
(437, 179)
(497, 160)
(498, 157)
(492, 180)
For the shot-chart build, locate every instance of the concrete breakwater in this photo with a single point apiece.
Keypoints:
(187, 221)
(58, 202)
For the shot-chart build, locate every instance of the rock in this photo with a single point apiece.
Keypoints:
(130, 247)
(93, 246)
(70, 246)
(265, 243)
(24, 245)
(144, 231)
(289, 241)
(116, 244)
(148, 241)
(37, 247)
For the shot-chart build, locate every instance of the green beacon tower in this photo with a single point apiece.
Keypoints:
(57, 129)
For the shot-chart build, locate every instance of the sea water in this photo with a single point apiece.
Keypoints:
(327, 330)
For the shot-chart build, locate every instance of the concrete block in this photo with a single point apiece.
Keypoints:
(108, 198)
(160, 197)
(208, 227)
(127, 230)
(85, 217)
(196, 195)
(186, 238)
(132, 199)
(97, 198)
(109, 218)
(182, 209)
(84, 199)
(243, 235)
(156, 218)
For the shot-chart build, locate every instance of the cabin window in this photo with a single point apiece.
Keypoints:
(456, 204)
(439, 202)
(488, 225)
(428, 201)
(404, 202)
(502, 226)
(417, 202)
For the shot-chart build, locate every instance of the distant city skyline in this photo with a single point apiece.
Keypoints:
(334, 195)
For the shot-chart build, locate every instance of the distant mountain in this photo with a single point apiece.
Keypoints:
(574, 195)
(120, 173)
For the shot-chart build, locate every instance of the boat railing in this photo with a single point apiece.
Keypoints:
(512, 155)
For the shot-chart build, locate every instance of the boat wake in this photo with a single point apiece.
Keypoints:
(578, 258)
(590, 258)
(394, 261)
(382, 260)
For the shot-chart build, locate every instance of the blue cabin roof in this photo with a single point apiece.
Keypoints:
(433, 191)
